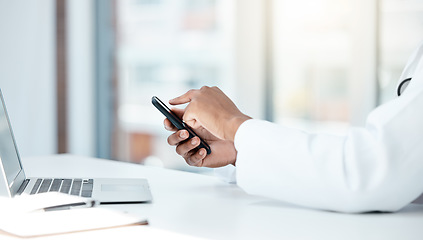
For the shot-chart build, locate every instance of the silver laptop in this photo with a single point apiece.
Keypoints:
(14, 182)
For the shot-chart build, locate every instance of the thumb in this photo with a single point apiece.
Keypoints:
(194, 124)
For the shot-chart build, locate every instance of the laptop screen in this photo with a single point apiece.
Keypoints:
(8, 152)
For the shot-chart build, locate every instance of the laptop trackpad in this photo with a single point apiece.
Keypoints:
(118, 190)
(121, 187)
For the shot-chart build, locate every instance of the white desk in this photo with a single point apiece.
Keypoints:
(205, 207)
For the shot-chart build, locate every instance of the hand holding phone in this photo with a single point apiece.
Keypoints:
(177, 122)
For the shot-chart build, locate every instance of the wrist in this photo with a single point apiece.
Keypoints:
(233, 125)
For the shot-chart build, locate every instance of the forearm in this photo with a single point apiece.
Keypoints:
(348, 174)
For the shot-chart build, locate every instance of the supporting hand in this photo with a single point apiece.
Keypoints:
(223, 151)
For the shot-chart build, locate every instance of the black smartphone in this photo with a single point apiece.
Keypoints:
(177, 122)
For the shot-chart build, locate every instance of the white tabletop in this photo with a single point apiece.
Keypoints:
(187, 204)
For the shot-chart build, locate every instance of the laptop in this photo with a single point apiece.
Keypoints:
(14, 182)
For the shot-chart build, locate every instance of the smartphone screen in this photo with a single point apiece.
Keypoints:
(177, 122)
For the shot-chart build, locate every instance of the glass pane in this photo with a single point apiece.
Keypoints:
(401, 24)
(164, 48)
(312, 43)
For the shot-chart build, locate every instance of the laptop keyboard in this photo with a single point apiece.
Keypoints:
(77, 186)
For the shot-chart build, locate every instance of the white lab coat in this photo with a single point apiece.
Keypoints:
(376, 168)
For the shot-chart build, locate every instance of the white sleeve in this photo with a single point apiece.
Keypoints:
(226, 173)
(379, 167)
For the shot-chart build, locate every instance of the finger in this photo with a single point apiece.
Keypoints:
(194, 124)
(169, 126)
(185, 98)
(185, 148)
(197, 159)
(177, 137)
(189, 117)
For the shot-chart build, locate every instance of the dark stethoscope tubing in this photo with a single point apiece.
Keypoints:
(400, 90)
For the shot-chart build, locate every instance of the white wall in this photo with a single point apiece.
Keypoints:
(27, 72)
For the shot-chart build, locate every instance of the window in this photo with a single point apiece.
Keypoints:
(336, 60)
(333, 61)
(313, 44)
